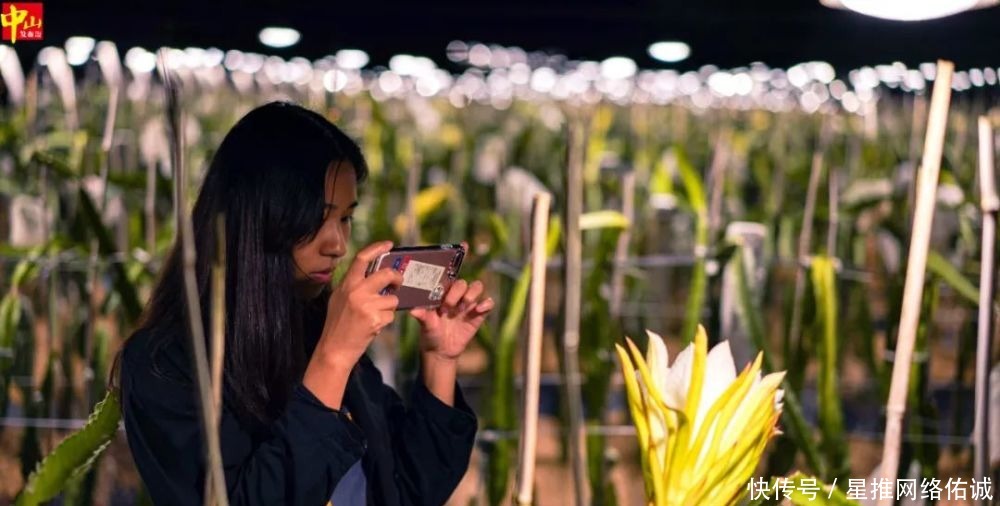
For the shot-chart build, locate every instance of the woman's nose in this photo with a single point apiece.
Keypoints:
(334, 243)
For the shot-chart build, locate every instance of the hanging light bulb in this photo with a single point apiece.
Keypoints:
(669, 51)
(279, 36)
(909, 10)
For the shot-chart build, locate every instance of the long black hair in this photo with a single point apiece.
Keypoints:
(267, 179)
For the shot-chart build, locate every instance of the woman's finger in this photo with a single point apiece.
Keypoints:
(386, 303)
(455, 294)
(472, 295)
(382, 279)
(359, 266)
(485, 306)
(376, 324)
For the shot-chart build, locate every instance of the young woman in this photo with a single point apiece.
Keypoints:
(306, 417)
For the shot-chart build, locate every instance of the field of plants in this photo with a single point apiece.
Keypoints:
(773, 207)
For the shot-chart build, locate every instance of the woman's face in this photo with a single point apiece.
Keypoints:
(316, 258)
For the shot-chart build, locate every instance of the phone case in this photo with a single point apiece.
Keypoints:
(428, 272)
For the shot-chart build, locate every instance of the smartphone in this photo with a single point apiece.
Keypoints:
(428, 272)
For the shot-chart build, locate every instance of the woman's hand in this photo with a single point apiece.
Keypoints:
(357, 310)
(447, 330)
(356, 313)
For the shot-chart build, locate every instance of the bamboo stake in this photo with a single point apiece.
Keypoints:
(717, 182)
(805, 237)
(218, 325)
(571, 332)
(923, 219)
(778, 144)
(533, 351)
(990, 205)
(197, 331)
(834, 221)
(919, 117)
(218, 314)
(107, 140)
(916, 123)
(621, 248)
(149, 208)
(412, 188)
(50, 290)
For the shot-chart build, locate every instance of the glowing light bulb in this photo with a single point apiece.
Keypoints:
(279, 36)
(669, 51)
(909, 10)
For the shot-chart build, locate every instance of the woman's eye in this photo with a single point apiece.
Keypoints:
(347, 219)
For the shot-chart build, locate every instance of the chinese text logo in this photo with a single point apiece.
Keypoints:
(21, 21)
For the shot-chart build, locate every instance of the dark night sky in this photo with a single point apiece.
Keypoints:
(720, 32)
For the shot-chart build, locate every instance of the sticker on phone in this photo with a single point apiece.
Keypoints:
(436, 293)
(422, 276)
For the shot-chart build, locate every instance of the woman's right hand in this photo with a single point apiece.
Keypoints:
(356, 313)
(357, 310)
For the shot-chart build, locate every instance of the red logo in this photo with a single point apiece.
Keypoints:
(21, 21)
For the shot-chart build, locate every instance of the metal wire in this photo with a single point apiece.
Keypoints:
(489, 435)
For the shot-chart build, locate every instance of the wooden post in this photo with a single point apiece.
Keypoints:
(834, 214)
(218, 314)
(218, 331)
(990, 204)
(413, 173)
(805, 236)
(93, 280)
(149, 208)
(209, 418)
(621, 248)
(717, 181)
(571, 335)
(916, 266)
(533, 351)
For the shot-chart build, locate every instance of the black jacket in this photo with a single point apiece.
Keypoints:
(412, 455)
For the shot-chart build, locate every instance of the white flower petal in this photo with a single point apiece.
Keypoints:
(679, 379)
(720, 372)
(658, 360)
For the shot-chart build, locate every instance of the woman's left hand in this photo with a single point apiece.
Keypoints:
(447, 329)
